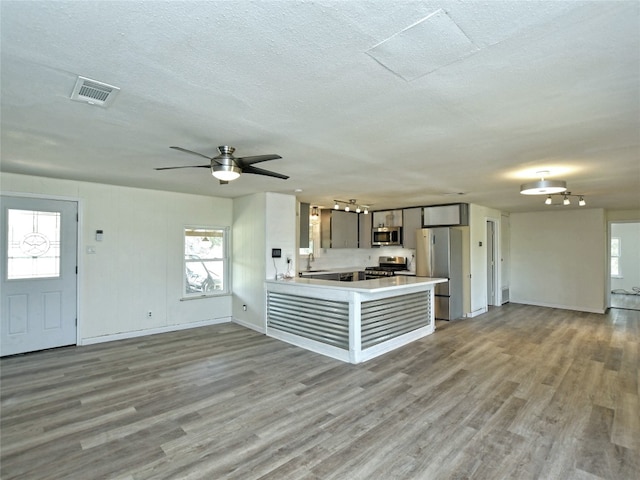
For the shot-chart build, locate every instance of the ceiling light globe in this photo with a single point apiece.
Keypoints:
(226, 173)
(543, 187)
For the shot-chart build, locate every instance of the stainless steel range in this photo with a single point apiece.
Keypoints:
(387, 266)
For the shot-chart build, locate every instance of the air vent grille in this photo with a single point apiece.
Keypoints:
(93, 92)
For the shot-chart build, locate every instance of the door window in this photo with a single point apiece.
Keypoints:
(33, 244)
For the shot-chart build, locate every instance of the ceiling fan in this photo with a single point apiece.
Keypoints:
(225, 167)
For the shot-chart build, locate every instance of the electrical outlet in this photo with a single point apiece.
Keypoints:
(149, 314)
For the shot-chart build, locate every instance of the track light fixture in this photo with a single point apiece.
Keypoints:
(550, 188)
(352, 203)
(566, 199)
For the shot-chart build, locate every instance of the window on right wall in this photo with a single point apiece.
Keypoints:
(615, 257)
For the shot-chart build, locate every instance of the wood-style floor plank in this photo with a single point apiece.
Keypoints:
(521, 392)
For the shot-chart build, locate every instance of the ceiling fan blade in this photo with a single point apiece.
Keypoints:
(243, 161)
(186, 166)
(191, 152)
(261, 171)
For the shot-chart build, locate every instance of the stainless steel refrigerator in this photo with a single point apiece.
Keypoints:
(439, 254)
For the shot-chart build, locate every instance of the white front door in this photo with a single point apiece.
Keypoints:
(38, 246)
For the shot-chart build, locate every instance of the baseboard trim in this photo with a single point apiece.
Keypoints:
(152, 331)
(476, 312)
(250, 326)
(561, 307)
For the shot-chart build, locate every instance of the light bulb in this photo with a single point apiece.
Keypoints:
(366, 211)
(336, 206)
(548, 201)
(358, 209)
(346, 208)
(581, 202)
(566, 201)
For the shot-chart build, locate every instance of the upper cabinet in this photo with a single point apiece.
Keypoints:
(365, 230)
(339, 229)
(304, 225)
(451, 215)
(412, 220)
(387, 218)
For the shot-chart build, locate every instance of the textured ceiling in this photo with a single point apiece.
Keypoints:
(393, 103)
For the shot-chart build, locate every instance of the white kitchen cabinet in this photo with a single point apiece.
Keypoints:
(365, 227)
(387, 218)
(339, 229)
(450, 215)
(412, 220)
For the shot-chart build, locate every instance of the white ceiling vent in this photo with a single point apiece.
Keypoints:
(93, 92)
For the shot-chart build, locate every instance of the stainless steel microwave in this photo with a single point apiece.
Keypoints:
(384, 236)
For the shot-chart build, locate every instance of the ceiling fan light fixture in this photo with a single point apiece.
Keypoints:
(226, 173)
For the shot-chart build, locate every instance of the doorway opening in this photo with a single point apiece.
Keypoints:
(492, 264)
(624, 265)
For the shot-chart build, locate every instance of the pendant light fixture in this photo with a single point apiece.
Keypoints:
(543, 187)
(550, 188)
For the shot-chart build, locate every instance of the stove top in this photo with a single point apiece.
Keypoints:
(387, 266)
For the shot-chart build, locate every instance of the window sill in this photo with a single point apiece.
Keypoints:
(199, 297)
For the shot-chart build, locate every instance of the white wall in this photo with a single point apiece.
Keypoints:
(629, 262)
(558, 259)
(138, 267)
(261, 222)
(281, 232)
(249, 260)
(478, 216)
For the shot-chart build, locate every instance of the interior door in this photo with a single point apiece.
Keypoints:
(491, 263)
(38, 244)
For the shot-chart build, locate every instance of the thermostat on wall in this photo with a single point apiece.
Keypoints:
(276, 252)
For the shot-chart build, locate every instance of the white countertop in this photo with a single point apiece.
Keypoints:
(331, 270)
(370, 286)
(347, 270)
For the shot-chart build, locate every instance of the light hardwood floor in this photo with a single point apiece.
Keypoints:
(521, 392)
(630, 302)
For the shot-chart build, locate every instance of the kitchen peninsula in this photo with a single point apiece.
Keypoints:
(351, 321)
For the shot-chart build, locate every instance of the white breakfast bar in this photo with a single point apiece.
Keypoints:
(351, 321)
